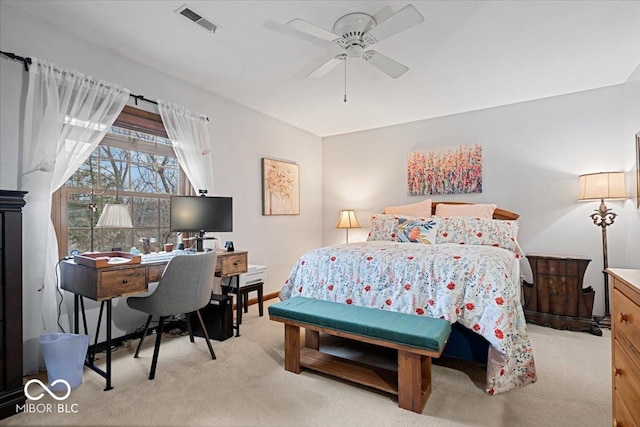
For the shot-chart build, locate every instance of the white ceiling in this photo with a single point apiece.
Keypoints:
(466, 55)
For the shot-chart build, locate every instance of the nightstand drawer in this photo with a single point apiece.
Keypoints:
(117, 283)
(625, 317)
(232, 264)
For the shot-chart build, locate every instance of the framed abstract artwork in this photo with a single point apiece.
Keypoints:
(447, 170)
(280, 187)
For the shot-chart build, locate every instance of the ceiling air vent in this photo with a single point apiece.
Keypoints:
(196, 18)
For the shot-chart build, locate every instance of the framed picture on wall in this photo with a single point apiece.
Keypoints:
(638, 170)
(280, 187)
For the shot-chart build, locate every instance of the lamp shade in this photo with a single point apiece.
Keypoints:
(347, 219)
(602, 185)
(115, 216)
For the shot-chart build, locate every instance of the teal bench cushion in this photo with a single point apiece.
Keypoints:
(408, 329)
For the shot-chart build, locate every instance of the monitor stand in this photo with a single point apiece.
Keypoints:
(199, 240)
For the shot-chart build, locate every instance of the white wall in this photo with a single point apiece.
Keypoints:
(241, 137)
(533, 153)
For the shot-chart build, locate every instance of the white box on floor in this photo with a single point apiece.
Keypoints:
(254, 274)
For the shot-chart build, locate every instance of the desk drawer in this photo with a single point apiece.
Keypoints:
(230, 265)
(117, 283)
(155, 272)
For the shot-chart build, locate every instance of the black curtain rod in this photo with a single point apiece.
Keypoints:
(142, 98)
(26, 61)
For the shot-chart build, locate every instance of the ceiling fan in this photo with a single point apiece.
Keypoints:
(355, 32)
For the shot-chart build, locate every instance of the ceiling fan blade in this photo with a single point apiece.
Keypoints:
(405, 18)
(389, 66)
(307, 28)
(327, 66)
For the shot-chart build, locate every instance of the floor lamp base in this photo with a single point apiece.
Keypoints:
(603, 321)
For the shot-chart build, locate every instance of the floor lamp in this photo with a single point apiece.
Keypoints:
(347, 220)
(114, 215)
(610, 186)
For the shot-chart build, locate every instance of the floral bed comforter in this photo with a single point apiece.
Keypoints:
(476, 286)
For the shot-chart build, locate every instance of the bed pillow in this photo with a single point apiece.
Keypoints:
(384, 227)
(480, 231)
(422, 231)
(420, 209)
(478, 210)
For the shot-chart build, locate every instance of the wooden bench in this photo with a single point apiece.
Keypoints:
(416, 338)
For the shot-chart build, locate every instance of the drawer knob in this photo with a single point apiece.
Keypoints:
(622, 317)
(125, 281)
(616, 423)
(235, 263)
(617, 371)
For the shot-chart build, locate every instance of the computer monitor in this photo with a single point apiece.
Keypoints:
(201, 215)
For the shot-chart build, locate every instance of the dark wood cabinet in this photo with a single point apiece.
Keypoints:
(556, 297)
(11, 389)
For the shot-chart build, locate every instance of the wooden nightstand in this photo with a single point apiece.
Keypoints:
(556, 297)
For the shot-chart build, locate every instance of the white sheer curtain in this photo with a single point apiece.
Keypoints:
(66, 116)
(189, 136)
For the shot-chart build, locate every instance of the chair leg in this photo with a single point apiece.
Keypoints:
(144, 335)
(245, 301)
(206, 335)
(189, 328)
(156, 349)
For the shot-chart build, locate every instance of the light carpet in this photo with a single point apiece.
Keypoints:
(248, 386)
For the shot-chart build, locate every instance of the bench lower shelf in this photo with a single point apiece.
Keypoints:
(371, 376)
(411, 382)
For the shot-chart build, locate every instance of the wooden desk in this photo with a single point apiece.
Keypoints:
(114, 281)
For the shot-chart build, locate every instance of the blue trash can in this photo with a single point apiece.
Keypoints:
(64, 355)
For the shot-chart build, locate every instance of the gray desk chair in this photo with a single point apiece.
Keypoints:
(185, 287)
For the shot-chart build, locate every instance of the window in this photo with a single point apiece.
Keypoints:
(144, 168)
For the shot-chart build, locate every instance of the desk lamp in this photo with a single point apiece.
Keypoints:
(347, 219)
(114, 215)
(603, 185)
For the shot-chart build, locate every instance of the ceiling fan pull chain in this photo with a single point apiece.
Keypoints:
(345, 80)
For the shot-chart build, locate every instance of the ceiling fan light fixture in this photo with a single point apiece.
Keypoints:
(355, 52)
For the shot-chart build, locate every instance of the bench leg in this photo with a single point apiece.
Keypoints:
(292, 348)
(414, 380)
(312, 339)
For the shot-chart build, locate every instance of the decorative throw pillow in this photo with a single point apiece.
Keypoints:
(480, 231)
(418, 231)
(421, 209)
(478, 210)
(384, 227)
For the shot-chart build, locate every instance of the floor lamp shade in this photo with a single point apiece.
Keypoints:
(347, 220)
(602, 185)
(115, 216)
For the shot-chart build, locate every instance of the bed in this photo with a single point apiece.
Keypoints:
(474, 285)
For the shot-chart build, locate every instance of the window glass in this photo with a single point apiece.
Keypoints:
(145, 171)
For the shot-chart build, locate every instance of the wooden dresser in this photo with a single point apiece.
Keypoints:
(625, 346)
(556, 297)
(11, 390)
